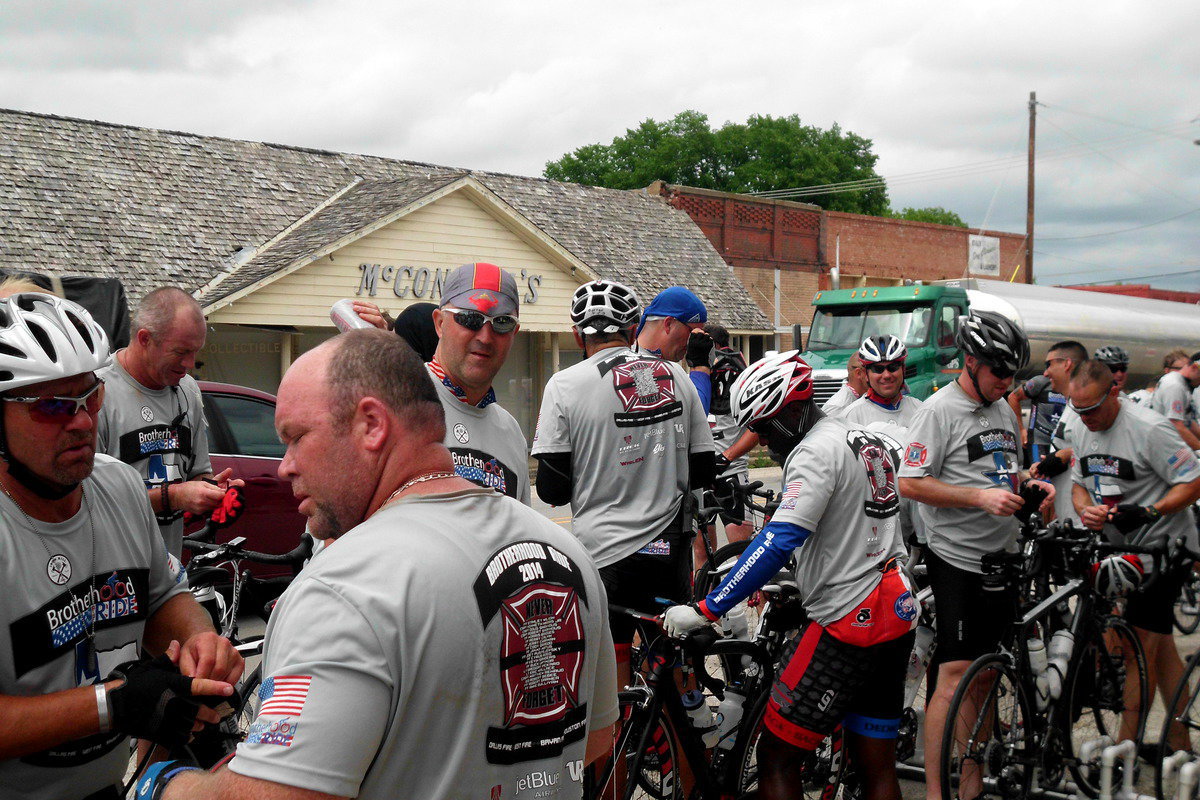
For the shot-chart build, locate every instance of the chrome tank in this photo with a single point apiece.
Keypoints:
(1147, 329)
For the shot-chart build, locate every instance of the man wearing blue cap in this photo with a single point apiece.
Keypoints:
(672, 327)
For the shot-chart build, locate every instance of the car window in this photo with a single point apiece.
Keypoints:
(251, 424)
(947, 325)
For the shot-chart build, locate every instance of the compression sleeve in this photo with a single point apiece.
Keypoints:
(703, 383)
(760, 562)
(554, 478)
(702, 469)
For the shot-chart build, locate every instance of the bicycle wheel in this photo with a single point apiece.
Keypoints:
(643, 762)
(1187, 605)
(825, 769)
(986, 745)
(741, 621)
(1109, 696)
(1186, 707)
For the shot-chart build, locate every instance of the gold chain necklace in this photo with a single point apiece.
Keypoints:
(429, 476)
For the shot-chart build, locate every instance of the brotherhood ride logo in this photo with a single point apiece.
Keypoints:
(646, 390)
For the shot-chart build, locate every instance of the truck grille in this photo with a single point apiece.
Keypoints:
(825, 388)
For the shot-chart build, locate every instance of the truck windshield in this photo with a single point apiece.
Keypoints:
(845, 328)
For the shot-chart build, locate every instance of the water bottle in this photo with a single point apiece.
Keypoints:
(735, 624)
(1036, 649)
(729, 714)
(918, 662)
(343, 316)
(702, 718)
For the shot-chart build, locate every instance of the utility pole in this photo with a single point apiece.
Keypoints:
(1029, 191)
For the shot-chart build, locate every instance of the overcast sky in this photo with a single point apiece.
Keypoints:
(508, 86)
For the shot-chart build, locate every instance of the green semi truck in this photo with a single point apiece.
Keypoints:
(923, 316)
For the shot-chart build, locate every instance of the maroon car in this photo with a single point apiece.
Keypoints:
(241, 436)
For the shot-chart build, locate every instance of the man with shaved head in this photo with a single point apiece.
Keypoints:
(449, 641)
(854, 388)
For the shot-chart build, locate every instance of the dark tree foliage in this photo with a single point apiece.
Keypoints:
(763, 153)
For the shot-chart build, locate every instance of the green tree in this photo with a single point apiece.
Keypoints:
(934, 214)
(764, 153)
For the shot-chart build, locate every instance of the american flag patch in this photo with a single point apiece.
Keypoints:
(1181, 461)
(284, 695)
(791, 493)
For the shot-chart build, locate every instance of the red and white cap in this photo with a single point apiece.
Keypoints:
(481, 287)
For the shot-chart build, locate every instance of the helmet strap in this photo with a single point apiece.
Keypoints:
(50, 490)
(974, 376)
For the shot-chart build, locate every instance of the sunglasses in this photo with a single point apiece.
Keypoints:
(474, 320)
(1089, 409)
(1119, 368)
(1002, 373)
(1050, 361)
(59, 410)
(879, 369)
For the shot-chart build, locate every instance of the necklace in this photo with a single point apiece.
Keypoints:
(58, 568)
(429, 476)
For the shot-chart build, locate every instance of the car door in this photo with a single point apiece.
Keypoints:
(242, 437)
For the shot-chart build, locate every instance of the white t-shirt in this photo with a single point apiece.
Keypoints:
(450, 646)
(629, 421)
(1173, 398)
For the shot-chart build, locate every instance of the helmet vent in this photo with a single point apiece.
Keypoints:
(9, 350)
(43, 339)
(84, 333)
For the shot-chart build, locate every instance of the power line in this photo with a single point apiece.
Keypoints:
(1136, 277)
(1163, 131)
(1114, 233)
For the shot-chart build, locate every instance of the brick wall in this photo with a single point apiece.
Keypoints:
(897, 249)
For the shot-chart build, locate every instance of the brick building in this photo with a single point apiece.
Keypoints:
(784, 252)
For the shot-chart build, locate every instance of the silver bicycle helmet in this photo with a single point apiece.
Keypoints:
(604, 307)
(1113, 356)
(1117, 575)
(44, 338)
(882, 349)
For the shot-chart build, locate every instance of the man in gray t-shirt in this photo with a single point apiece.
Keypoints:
(851, 390)
(88, 583)
(153, 417)
(449, 642)
(1173, 399)
(1135, 479)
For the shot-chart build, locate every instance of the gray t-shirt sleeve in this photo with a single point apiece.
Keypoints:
(1172, 460)
(605, 708)
(326, 699)
(1174, 400)
(926, 445)
(808, 485)
(553, 433)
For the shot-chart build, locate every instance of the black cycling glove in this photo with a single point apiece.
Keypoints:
(1052, 466)
(699, 346)
(720, 464)
(725, 493)
(1032, 493)
(154, 702)
(1128, 517)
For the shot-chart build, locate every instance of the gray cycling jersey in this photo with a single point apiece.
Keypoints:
(487, 444)
(1135, 461)
(866, 413)
(1064, 506)
(725, 433)
(629, 421)
(1173, 398)
(46, 612)
(842, 398)
(840, 483)
(450, 646)
(1045, 408)
(159, 432)
(961, 442)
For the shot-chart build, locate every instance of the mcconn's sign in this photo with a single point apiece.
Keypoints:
(423, 282)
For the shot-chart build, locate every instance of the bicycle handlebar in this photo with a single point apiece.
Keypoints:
(234, 550)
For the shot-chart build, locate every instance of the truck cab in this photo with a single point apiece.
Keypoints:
(923, 317)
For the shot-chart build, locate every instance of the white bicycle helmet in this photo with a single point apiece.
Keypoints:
(44, 338)
(882, 349)
(768, 385)
(1117, 576)
(604, 307)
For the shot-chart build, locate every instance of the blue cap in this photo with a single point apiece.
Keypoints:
(677, 302)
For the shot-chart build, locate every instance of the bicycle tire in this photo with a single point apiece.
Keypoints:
(995, 740)
(1188, 713)
(1186, 612)
(652, 769)
(826, 771)
(1104, 698)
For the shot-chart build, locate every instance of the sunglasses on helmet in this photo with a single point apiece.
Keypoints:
(879, 369)
(57, 409)
(474, 320)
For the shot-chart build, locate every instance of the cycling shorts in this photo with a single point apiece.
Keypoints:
(970, 620)
(826, 682)
(1154, 609)
(661, 569)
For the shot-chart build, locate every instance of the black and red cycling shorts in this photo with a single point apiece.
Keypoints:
(827, 681)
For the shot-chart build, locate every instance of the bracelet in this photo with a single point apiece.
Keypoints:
(166, 497)
(102, 709)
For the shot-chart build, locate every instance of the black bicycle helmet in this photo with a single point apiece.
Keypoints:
(994, 339)
(1112, 356)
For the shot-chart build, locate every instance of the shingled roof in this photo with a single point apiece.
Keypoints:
(153, 207)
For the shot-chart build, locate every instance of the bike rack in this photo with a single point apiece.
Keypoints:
(915, 773)
(1188, 766)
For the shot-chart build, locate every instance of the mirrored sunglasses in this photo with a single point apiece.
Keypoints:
(474, 320)
(879, 369)
(58, 409)
(1088, 409)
